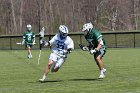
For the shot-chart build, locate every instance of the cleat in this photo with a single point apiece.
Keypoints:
(101, 76)
(41, 80)
(29, 56)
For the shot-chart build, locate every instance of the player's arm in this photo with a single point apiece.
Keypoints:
(100, 43)
(23, 39)
(99, 46)
(86, 48)
(70, 46)
(49, 43)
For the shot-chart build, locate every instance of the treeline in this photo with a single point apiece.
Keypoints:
(107, 15)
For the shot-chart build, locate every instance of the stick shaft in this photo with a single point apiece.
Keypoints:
(39, 57)
(19, 43)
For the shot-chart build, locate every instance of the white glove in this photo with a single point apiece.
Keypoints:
(34, 42)
(85, 48)
(46, 44)
(93, 51)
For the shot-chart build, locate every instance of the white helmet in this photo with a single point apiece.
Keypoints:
(29, 27)
(63, 30)
(87, 26)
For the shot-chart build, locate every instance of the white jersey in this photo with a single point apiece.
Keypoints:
(60, 46)
(41, 33)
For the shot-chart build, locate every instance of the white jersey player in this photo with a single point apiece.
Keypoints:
(61, 45)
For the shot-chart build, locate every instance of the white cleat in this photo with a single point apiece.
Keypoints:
(41, 80)
(101, 76)
(30, 56)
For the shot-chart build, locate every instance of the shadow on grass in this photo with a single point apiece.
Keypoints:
(50, 81)
(85, 79)
(55, 81)
(47, 81)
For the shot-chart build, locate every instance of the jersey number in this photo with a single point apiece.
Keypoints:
(29, 37)
(60, 46)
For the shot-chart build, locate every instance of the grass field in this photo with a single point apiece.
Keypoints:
(78, 75)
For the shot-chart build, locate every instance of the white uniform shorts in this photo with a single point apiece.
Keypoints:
(57, 59)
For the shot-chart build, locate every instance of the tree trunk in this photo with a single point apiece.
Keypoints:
(21, 10)
(52, 16)
(13, 14)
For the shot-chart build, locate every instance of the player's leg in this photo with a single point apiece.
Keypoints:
(52, 60)
(28, 47)
(58, 64)
(98, 59)
(47, 69)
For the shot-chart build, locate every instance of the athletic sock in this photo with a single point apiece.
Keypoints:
(102, 72)
(44, 77)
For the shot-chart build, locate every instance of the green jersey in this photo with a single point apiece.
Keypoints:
(29, 37)
(93, 37)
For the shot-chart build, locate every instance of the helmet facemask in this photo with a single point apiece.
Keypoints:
(63, 30)
(85, 32)
(64, 35)
(29, 27)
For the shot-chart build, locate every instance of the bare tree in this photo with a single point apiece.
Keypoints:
(109, 15)
(136, 9)
(51, 14)
(13, 14)
(21, 11)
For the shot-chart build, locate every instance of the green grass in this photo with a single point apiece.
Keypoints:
(78, 75)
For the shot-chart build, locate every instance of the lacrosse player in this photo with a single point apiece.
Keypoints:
(61, 45)
(97, 46)
(28, 40)
(41, 42)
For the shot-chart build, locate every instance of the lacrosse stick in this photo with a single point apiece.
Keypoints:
(19, 43)
(41, 42)
(22, 44)
(39, 56)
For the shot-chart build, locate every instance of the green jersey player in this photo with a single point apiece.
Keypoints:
(29, 39)
(97, 45)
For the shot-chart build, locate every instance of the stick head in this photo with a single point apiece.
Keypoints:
(19, 43)
(39, 57)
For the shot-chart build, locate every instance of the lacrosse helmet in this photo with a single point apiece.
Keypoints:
(63, 30)
(29, 27)
(87, 27)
